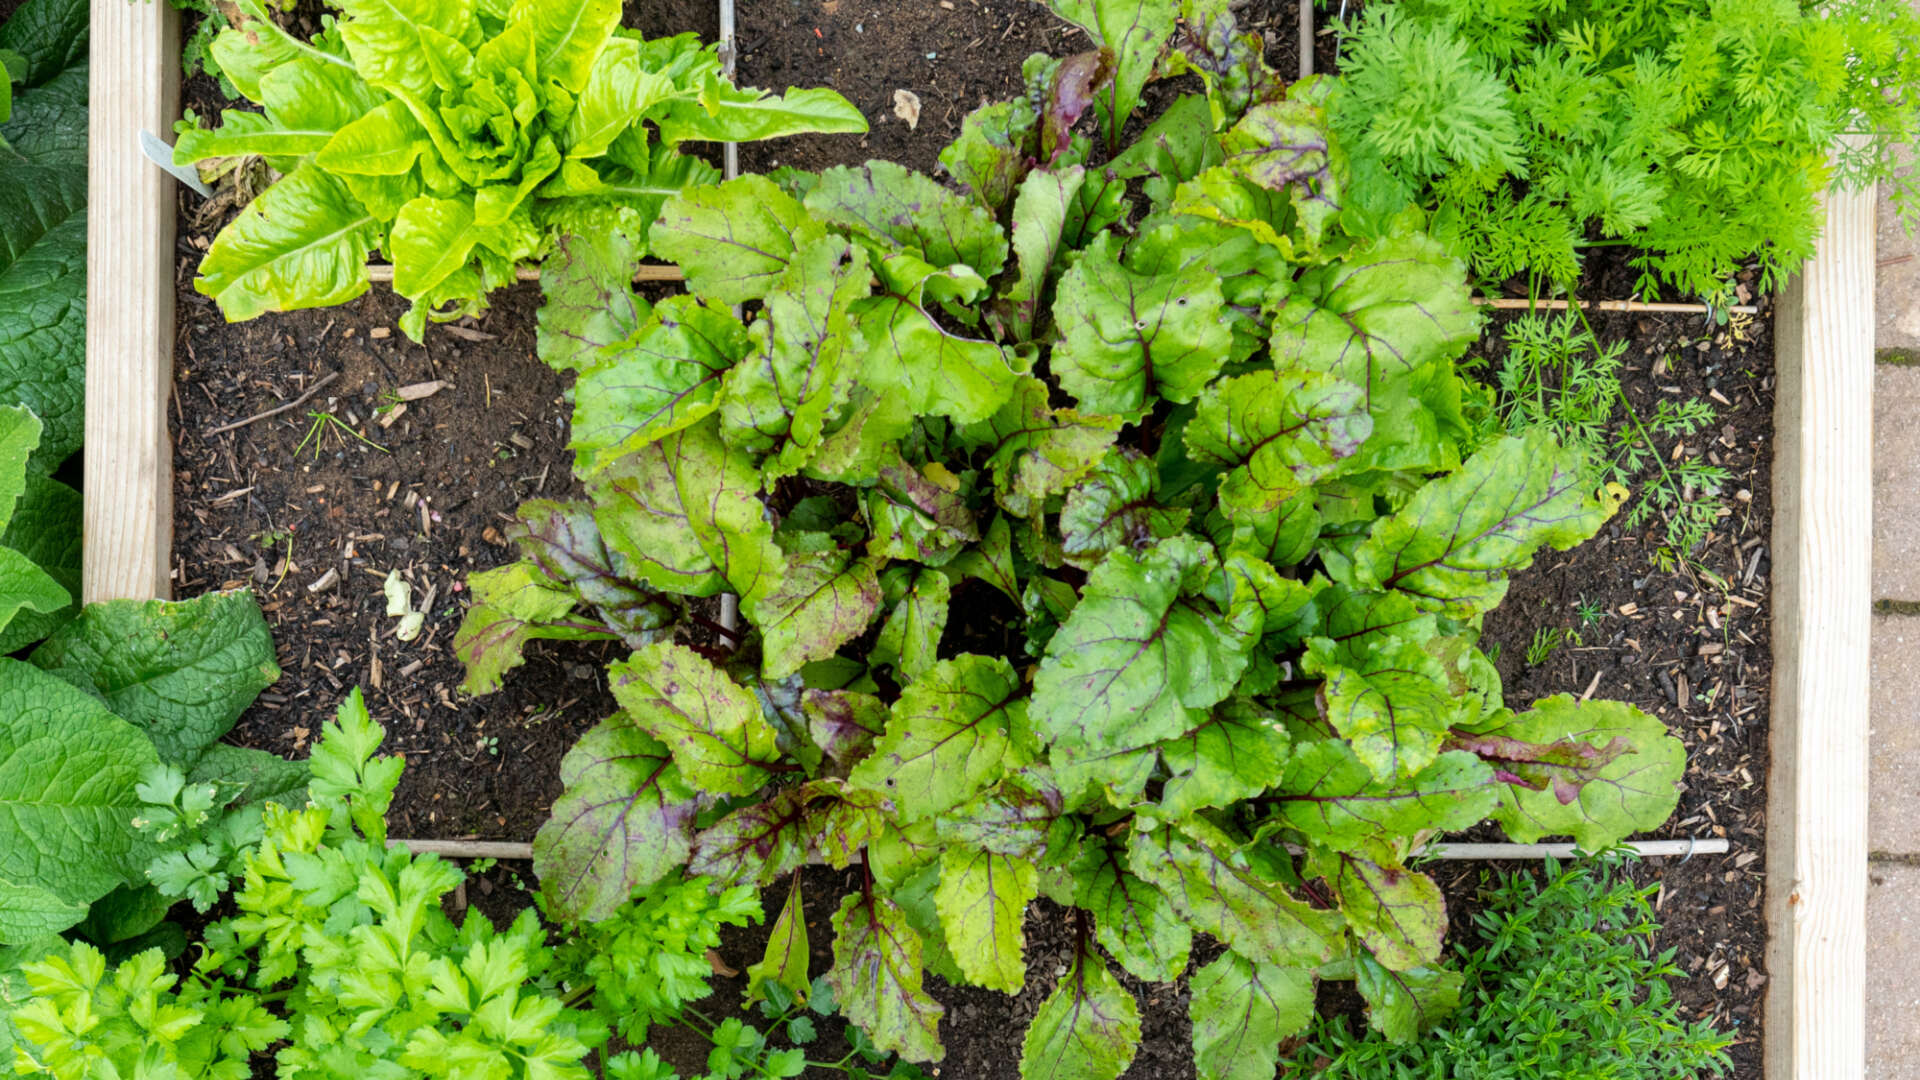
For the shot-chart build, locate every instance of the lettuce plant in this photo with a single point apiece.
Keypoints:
(1132, 556)
(456, 137)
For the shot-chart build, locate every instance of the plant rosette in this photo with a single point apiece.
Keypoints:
(1133, 556)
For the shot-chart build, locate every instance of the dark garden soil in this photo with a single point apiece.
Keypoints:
(314, 517)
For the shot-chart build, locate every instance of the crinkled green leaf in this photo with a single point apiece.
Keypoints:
(28, 912)
(27, 590)
(733, 240)
(1286, 147)
(568, 36)
(512, 605)
(804, 358)
(928, 368)
(1330, 795)
(719, 738)
(1384, 311)
(46, 530)
(1239, 751)
(49, 35)
(864, 439)
(1240, 1011)
(19, 435)
(910, 639)
(1176, 147)
(1129, 337)
(894, 205)
(624, 819)
(1276, 433)
(181, 671)
(826, 600)
(1402, 1005)
(43, 276)
(1144, 653)
(787, 955)
(663, 377)
(1395, 912)
(989, 155)
(725, 112)
(1392, 703)
(1245, 268)
(303, 243)
(1633, 791)
(982, 898)
(387, 38)
(68, 769)
(1087, 1029)
(1283, 537)
(1137, 32)
(586, 303)
(948, 737)
(1226, 892)
(1133, 920)
(876, 978)
(1036, 451)
(1454, 543)
(1114, 507)
(686, 512)
(261, 775)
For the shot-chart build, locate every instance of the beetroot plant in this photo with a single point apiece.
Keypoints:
(1105, 527)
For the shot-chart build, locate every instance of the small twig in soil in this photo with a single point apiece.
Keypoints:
(278, 409)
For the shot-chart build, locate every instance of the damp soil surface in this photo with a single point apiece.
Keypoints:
(315, 506)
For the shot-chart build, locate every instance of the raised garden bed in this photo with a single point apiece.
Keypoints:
(314, 514)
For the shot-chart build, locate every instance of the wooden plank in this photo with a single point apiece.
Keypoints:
(134, 84)
(1815, 1025)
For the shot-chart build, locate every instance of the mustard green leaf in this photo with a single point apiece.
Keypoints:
(623, 820)
(719, 738)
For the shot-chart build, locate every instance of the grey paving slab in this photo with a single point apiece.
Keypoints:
(1896, 482)
(1893, 815)
(1893, 992)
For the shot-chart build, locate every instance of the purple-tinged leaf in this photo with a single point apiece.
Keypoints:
(1115, 508)
(1036, 451)
(825, 601)
(843, 724)
(586, 301)
(719, 737)
(760, 843)
(918, 516)
(1633, 791)
(1332, 798)
(909, 642)
(1128, 338)
(734, 240)
(1143, 655)
(1392, 704)
(1285, 146)
(1132, 919)
(1453, 544)
(876, 978)
(1025, 818)
(1240, 1012)
(982, 899)
(897, 206)
(565, 542)
(1135, 32)
(948, 738)
(1396, 913)
(623, 820)
(1402, 1005)
(1233, 65)
(1276, 433)
(1227, 891)
(512, 605)
(1237, 753)
(663, 377)
(1087, 1029)
(921, 365)
(1076, 81)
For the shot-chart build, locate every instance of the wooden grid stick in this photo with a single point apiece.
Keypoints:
(133, 83)
(382, 273)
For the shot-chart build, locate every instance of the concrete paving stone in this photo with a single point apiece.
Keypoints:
(1893, 777)
(1896, 283)
(1893, 994)
(1896, 482)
